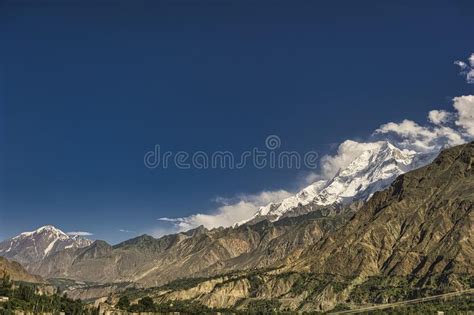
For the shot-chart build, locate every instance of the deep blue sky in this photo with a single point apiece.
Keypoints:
(87, 87)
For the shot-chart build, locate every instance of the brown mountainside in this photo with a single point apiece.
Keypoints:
(199, 252)
(413, 239)
(422, 224)
(16, 271)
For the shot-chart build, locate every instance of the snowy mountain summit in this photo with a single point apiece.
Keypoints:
(30, 247)
(371, 171)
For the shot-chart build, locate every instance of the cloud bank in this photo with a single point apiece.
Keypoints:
(228, 212)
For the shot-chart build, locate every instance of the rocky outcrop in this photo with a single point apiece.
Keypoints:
(17, 272)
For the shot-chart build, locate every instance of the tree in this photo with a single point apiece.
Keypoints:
(147, 304)
(5, 285)
(123, 303)
(25, 292)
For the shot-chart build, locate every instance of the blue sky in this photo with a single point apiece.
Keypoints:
(88, 87)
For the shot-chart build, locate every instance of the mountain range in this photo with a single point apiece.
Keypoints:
(52, 253)
(29, 248)
(411, 240)
(384, 221)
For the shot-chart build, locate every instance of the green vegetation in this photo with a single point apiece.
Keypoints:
(374, 290)
(263, 306)
(64, 284)
(467, 280)
(183, 284)
(23, 297)
(380, 289)
(451, 306)
(146, 304)
(255, 282)
(315, 283)
(123, 303)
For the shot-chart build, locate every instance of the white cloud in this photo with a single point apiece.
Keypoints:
(226, 214)
(465, 112)
(410, 135)
(162, 230)
(467, 69)
(310, 178)
(346, 152)
(438, 117)
(443, 129)
(79, 233)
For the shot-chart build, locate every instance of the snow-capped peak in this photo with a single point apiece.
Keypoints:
(29, 247)
(303, 197)
(372, 170)
(44, 229)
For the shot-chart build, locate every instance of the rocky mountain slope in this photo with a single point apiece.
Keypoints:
(422, 224)
(29, 248)
(198, 252)
(16, 271)
(414, 239)
(371, 171)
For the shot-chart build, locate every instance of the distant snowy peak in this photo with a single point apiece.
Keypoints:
(29, 247)
(371, 171)
(303, 197)
(49, 229)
